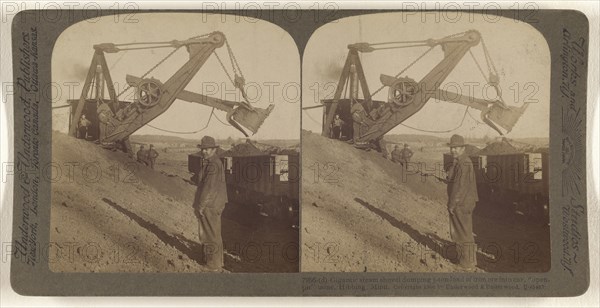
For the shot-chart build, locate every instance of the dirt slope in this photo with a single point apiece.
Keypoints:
(114, 215)
(361, 212)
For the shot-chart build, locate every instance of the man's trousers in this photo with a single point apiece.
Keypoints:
(461, 232)
(209, 231)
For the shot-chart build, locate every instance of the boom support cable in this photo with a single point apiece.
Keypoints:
(152, 69)
(400, 47)
(404, 70)
(399, 42)
(168, 44)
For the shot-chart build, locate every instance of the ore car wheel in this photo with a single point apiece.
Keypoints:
(149, 93)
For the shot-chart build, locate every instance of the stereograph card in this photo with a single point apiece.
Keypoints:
(325, 152)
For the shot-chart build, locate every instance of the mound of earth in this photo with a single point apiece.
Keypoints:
(364, 213)
(111, 214)
(290, 151)
(252, 148)
(498, 148)
(277, 150)
(244, 149)
(471, 149)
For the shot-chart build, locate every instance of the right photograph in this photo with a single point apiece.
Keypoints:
(425, 140)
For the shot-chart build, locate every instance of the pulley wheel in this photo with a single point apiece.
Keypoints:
(149, 93)
(402, 93)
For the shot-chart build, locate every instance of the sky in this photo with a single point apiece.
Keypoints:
(520, 54)
(268, 57)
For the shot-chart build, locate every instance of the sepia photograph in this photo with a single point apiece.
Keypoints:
(322, 150)
(175, 145)
(425, 145)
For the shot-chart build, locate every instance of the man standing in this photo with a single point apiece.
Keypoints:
(209, 202)
(397, 154)
(405, 155)
(104, 117)
(84, 126)
(358, 117)
(142, 155)
(152, 155)
(337, 127)
(462, 197)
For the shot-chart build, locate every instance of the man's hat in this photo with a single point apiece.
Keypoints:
(406, 145)
(207, 142)
(152, 145)
(457, 141)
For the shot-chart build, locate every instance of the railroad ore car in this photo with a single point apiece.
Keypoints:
(269, 182)
(516, 182)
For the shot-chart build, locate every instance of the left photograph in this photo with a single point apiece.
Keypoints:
(175, 145)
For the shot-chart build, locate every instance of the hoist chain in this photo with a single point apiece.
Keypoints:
(233, 59)
(223, 66)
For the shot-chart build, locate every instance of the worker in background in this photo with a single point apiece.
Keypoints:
(209, 203)
(397, 154)
(462, 198)
(142, 155)
(84, 127)
(359, 116)
(104, 116)
(336, 127)
(405, 155)
(152, 155)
